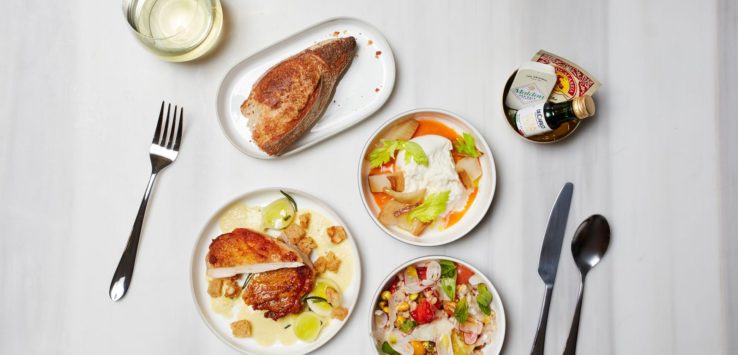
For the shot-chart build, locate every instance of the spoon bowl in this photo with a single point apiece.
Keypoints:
(590, 242)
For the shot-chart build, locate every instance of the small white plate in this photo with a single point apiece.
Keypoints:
(364, 88)
(494, 348)
(432, 236)
(218, 324)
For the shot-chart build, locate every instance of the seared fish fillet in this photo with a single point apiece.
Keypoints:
(292, 95)
(246, 251)
(279, 292)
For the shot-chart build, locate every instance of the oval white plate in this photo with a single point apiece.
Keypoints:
(475, 213)
(494, 348)
(364, 88)
(219, 325)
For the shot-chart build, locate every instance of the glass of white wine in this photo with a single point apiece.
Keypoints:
(175, 30)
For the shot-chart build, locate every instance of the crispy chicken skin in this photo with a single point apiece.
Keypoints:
(244, 250)
(279, 292)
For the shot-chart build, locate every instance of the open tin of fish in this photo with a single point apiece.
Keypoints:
(557, 135)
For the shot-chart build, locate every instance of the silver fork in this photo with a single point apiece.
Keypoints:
(163, 151)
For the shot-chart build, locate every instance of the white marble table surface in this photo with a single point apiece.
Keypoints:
(78, 96)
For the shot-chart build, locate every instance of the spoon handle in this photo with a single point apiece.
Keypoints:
(540, 341)
(571, 342)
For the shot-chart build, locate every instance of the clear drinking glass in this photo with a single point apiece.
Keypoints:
(175, 30)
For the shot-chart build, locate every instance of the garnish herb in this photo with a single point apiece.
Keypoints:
(246, 282)
(314, 298)
(287, 326)
(461, 313)
(407, 326)
(431, 208)
(466, 145)
(448, 278)
(387, 349)
(386, 152)
(289, 198)
(484, 298)
(415, 151)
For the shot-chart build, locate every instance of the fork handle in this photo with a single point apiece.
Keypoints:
(124, 272)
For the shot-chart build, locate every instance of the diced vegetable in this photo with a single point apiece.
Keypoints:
(423, 312)
(418, 347)
(461, 312)
(484, 298)
(448, 278)
(397, 181)
(407, 326)
(464, 274)
(412, 197)
(459, 346)
(387, 349)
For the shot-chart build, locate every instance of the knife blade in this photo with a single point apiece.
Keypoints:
(549, 261)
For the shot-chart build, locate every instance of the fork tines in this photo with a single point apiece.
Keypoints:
(166, 138)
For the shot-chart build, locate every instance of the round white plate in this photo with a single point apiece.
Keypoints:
(494, 348)
(219, 325)
(433, 236)
(364, 88)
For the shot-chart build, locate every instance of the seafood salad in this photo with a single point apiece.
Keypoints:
(434, 307)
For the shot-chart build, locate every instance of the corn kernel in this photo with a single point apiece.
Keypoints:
(486, 319)
(386, 309)
(413, 296)
(382, 304)
(403, 307)
(392, 339)
(386, 295)
(400, 320)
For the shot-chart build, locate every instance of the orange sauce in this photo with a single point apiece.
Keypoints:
(427, 127)
(381, 199)
(456, 216)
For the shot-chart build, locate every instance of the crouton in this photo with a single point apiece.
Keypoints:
(333, 296)
(241, 328)
(232, 289)
(337, 234)
(339, 313)
(294, 233)
(328, 262)
(305, 220)
(215, 287)
(306, 245)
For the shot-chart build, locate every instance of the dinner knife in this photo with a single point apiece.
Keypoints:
(549, 262)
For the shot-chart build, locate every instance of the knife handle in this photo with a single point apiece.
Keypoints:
(540, 341)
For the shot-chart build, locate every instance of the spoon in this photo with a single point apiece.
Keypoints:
(588, 247)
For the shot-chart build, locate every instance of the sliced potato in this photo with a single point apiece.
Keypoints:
(412, 197)
(469, 171)
(397, 180)
(379, 183)
(403, 130)
(395, 213)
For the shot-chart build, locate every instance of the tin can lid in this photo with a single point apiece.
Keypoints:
(583, 106)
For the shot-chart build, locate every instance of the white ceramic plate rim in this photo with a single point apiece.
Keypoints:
(387, 55)
(501, 319)
(325, 209)
(469, 224)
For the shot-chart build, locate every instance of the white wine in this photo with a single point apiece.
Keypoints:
(176, 30)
